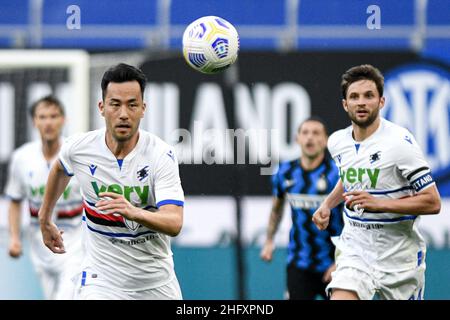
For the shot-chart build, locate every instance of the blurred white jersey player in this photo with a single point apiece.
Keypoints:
(386, 184)
(133, 198)
(29, 168)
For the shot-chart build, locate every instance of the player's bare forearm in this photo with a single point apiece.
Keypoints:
(168, 219)
(56, 184)
(335, 196)
(321, 217)
(14, 220)
(425, 202)
(276, 215)
(15, 243)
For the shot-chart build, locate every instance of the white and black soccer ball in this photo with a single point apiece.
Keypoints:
(210, 44)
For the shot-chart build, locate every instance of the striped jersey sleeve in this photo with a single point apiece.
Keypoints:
(412, 164)
(168, 188)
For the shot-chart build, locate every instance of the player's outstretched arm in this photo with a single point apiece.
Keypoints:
(56, 183)
(427, 201)
(276, 215)
(321, 217)
(326, 278)
(15, 244)
(168, 219)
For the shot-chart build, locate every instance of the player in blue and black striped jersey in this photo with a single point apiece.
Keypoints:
(305, 182)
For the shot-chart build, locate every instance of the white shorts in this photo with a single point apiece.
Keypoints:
(353, 275)
(56, 285)
(98, 291)
(56, 270)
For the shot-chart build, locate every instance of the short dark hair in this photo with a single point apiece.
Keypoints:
(123, 73)
(314, 118)
(362, 72)
(47, 100)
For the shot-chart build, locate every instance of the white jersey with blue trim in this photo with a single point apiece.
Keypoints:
(27, 178)
(388, 164)
(128, 255)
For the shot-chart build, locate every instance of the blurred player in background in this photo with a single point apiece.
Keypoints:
(305, 182)
(28, 172)
(132, 196)
(386, 184)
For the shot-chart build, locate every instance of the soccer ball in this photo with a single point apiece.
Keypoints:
(210, 44)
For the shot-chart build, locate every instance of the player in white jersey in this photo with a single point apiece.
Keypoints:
(29, 168)
(386, 184)
(133, 198)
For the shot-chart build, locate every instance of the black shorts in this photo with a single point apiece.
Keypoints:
(304, 284)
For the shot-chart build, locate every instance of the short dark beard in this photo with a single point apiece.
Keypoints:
(366, 123)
